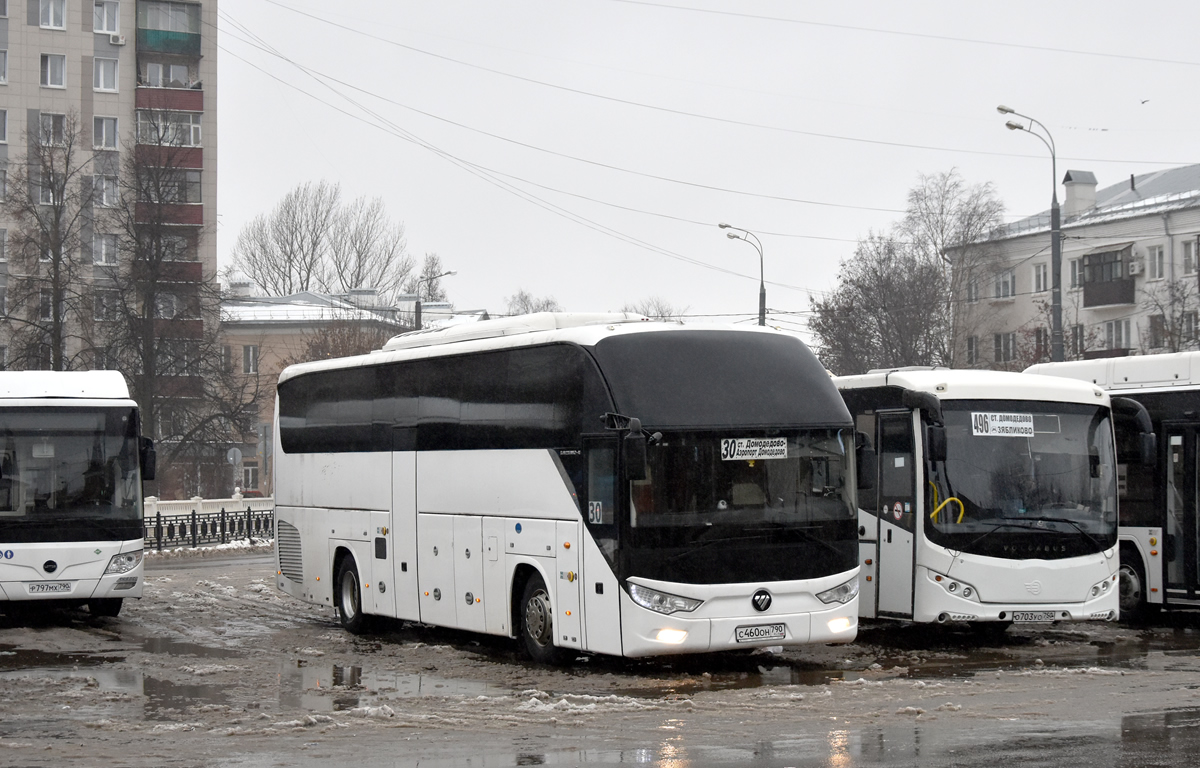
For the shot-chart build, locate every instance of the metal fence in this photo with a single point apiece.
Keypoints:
(199, 522)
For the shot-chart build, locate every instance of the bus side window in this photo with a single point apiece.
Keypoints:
(868, 498)
(600, 511)
(896, 471)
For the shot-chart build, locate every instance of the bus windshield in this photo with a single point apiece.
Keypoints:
(69, 474)
(736, 508)
(1024, 480)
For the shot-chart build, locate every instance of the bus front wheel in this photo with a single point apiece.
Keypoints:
(1132, 589)
(349, 597)
(537, 622)
(104, 606)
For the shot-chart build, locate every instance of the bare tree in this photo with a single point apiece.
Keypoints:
(525, 303)
(656, 307)
(157, 315)
(50, 193)
(343, 337)
(1173, 306)
(428, 284)
(886, 310)
(311, 241)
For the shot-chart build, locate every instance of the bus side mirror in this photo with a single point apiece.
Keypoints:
(633, 450)
(147, 458)
(1149, 446)
(864, 462)
(935, 442)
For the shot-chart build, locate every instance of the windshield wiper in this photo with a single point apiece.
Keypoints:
(1071, 523)
(995, 528)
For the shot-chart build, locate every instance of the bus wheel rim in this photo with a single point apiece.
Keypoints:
(537, 617)
(350, 596)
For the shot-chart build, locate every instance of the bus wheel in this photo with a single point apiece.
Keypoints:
(349, 598)
(537, 622)
(1132, 591)
(104, 606)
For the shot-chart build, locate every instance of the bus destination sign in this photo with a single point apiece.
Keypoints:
(1002, 424)
(734, 449)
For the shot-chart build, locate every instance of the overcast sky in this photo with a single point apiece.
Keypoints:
(586, 150)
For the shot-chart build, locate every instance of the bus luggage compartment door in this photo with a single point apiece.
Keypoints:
(468, 573)
(435, 569)
(566, 619)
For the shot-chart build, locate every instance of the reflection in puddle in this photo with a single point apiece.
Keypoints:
(26, 659)
(164, 699)
(310, 687)
(178, 648)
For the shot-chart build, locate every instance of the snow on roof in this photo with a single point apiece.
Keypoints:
(296, 309)
(1149, 194)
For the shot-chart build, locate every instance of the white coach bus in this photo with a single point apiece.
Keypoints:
(72, 463)
(993, 500)
(591, 482)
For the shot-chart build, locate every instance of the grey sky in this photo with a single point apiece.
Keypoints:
(812, 101)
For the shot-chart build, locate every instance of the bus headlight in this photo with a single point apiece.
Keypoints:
(661, 602)
(955, 587)
(842, 593)
(1102, 588)
(123, 563)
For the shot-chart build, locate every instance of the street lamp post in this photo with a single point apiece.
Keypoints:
(1056, 332)
(762, 283)
(417, 319)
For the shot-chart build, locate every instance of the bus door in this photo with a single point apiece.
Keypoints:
(597, 481)
(402, 533)
(1181, 547)
(897, 513)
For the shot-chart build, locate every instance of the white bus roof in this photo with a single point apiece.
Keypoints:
(76, 385)
(1177, 369)
(952, 384)
(586, 329)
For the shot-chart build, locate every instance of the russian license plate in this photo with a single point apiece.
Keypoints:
(41, 588)
(1023, 617)
(760, 632)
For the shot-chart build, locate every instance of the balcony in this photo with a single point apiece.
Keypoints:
(174, 43)
(173, 99)
(191, 214)
(1110, 293)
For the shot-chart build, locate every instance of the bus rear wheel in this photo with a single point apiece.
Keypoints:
(104, 606)
(537, 622)
(349, 597)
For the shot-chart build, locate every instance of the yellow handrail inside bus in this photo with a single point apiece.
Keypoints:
(933, 485)
(962, 510)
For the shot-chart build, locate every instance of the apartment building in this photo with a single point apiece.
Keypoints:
(1130, 283)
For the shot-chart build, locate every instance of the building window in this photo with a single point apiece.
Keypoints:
(169, 17)
(54, 70)
(1077, 345)
(1116, 334)
(227, 358)
(179, 129)
(1189, 257)
(249, 477)
(1005, 346)
(104, 132)
(162, 75)
(105, 359)
(180, 187)
(3, 66)
(1103, 267)
(1076, 273)
(50, 193)
(104, 249)
(104, 191)
(250, 359)
(45, 302)
(3, 358)
(53, 14)
(166, 306)
(177, 248)
(104, 74)
(3, 245)
(972, 289)
(1189, 326)
(1006, 284)
(1158, 331)
(1155, 263)
(1040, 274)
(3, 126)
(105, 304)
(972, 350)
(1041, 343)
(107, 16)
(3, 301)
(53, 129)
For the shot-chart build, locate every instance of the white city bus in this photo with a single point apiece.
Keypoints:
(72, 463)
(994, 497)
(591, 482)
(1159, 531)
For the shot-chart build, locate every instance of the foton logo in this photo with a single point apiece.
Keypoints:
(1033, 587)
(761, 600)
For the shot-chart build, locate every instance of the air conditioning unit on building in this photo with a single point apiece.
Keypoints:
(116, 39)
(1136, 267)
